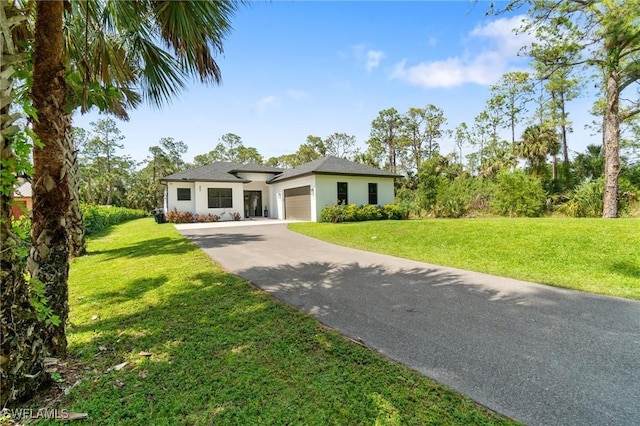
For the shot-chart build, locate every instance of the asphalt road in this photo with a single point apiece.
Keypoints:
(538, 354)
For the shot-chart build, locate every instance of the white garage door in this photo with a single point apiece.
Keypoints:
(297, 203)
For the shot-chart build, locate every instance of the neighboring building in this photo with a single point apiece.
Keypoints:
(224, 188)
(23, 202)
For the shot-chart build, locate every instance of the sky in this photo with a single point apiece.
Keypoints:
(299, 68)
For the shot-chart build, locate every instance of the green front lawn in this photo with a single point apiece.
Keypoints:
(593, 255)
(205, 347)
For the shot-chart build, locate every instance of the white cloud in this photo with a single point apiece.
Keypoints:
(484, 65)
(370, 57)
(297, 94)
(373, 59)
(266, 102)
(502, 33)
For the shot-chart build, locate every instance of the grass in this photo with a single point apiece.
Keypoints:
(205, 347)
(592, 255)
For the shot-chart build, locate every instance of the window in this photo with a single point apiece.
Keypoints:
(184, 194)
(220, 198)
(373, 193)
(342, 193)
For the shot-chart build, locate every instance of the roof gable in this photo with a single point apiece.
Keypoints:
(219, 171)
(224, 171)
(333, 166)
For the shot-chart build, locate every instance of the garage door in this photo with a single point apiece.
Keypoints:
(297, 203)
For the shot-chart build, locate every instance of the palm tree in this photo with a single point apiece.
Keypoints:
(537, 143)
(191, 34)
(22, 348)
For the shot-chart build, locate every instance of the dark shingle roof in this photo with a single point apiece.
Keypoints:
(332, 166)
(219, 171)
(222, 171)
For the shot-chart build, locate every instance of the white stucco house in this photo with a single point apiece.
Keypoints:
(300, 193)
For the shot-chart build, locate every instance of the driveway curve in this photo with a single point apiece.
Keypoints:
(538, 354)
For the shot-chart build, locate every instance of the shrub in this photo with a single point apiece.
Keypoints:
(174, 216)
(97, 218)
(206, 217)
(337, 213)
(349, 213)
(369, 212)
(587, 199)
(331, 213)
(394, 212)
(454, 198)
(518, 194)
(408, 199)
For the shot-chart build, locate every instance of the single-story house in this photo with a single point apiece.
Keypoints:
(300, 193)
(22, 196)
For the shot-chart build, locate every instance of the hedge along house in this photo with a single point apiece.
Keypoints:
(300, 193)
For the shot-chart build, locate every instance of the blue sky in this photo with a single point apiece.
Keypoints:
(292, 69)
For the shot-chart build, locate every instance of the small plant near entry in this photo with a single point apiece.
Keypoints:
(206, 217)
(236, 216)
(174, 216)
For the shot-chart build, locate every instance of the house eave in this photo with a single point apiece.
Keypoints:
(207, 180)
(281, 179)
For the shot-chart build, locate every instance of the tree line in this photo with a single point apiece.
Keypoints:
(409, 144)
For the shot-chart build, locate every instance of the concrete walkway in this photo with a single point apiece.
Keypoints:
(538, 354)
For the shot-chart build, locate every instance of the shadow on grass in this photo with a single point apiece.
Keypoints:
(110, 228)
(626, 268)
(133, 290)
(151, 247)
(222, 352)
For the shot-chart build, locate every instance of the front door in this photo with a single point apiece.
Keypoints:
(252, 203)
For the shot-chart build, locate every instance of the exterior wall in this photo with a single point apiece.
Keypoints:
(277, 195)
(199, 202)
(27, 206)
(202, 201)
(357, 190)
(172, 197)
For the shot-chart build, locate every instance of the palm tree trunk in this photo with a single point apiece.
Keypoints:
(21, 349)
(611, 135)
(75, 222)
(49, 257)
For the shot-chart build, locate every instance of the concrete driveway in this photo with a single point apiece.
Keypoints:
(538, 354)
